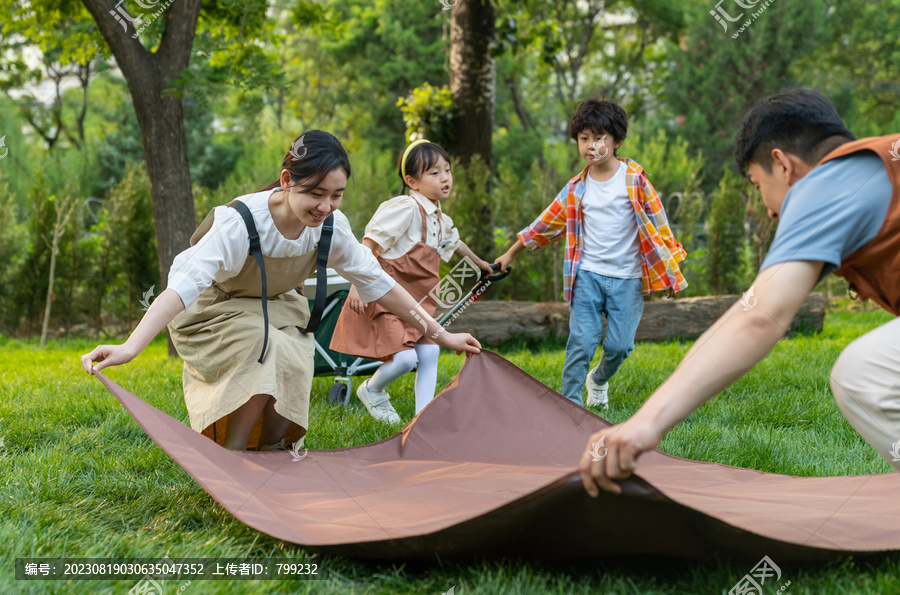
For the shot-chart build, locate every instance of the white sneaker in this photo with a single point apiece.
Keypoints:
(597, 393)
(378, 404)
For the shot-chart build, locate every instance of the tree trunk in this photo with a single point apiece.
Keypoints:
(472, 76)
(64, 209)
(472, 83)
(160, 117)
(493, 322)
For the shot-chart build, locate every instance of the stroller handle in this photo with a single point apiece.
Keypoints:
(496, 276)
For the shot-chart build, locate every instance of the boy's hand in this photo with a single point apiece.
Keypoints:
(504, 261)
(618, 449)
(354, 301)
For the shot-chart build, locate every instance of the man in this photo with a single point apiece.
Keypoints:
(839, 208)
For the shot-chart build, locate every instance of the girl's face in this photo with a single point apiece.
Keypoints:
(311, 207)
(435, 182)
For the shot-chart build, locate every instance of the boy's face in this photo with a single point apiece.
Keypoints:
(596, 148)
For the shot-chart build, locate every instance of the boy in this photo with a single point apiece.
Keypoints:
(838, 203)
(618, 248)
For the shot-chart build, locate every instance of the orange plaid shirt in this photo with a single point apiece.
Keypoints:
(660, 253)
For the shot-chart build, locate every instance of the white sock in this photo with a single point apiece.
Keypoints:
(402, 363)
(426, 374)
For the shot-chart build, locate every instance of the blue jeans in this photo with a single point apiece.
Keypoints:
(622, 301)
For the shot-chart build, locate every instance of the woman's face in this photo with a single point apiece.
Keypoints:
(312, 206)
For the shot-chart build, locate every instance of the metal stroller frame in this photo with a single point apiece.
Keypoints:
(340, 391)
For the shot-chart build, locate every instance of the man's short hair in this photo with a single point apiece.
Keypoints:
(797, 121)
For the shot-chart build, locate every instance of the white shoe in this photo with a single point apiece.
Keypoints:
(378, 404)
(597, 393)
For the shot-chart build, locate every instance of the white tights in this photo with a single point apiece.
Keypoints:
(403, 363)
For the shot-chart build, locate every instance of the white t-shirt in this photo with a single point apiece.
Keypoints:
(221, 253)
(612, 246)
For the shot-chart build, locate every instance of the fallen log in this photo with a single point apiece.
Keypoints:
(682, 318)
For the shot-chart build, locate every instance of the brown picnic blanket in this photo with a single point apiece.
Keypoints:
(488, 469)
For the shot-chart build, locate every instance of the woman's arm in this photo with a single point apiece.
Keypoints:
(353, 300)
(161, 312)
(400, 303)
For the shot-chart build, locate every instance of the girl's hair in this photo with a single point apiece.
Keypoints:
(313, 155)
(421, 158)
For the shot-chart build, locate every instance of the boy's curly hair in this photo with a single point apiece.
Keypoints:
(599, 116)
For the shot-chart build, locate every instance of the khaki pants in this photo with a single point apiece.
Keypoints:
(865, 381)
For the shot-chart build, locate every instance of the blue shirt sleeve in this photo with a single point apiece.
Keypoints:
(833, 211)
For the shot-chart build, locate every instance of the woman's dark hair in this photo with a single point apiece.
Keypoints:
(599, 116)
(422, 158)
(799, 121)
(313, 155)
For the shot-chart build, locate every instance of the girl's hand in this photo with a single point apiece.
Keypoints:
(484, 266)
(107, 355)
(458, 342)
(354, 301)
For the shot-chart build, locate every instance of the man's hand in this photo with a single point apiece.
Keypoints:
(619, 448)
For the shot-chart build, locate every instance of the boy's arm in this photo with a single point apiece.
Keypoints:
(464, 251)
(654, 208)
(546, 229)
(510, 255)
(725, 352)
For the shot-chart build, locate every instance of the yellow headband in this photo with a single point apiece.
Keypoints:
(406, 155)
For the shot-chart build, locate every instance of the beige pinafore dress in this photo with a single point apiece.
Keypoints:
(220, 338)
(378, 334)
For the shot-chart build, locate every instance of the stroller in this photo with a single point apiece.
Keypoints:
(344, 367)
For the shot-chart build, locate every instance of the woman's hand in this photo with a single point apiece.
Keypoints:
(354, 301)
(107, 355)
(161, 312)
(458, 342)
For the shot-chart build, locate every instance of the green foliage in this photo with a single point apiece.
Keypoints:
(127, 257)
(720, 78)
(428, 113)
(726, 238)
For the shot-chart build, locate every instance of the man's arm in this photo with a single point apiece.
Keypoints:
(725, 352)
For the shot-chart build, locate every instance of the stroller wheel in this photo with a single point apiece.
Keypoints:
(338, 394)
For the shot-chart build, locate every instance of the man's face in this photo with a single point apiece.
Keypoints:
(773, 185)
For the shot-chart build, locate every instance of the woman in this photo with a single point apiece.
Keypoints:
(248, 367)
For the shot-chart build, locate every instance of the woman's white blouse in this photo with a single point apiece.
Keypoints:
(221, 253)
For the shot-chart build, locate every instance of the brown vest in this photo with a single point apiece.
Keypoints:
(873, 271)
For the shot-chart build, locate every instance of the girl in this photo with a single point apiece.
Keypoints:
(409, 235)
(247, 377)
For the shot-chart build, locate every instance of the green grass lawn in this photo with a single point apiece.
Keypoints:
(79, 478)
